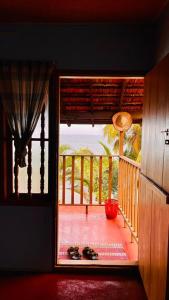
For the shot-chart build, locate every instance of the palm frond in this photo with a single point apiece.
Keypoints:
(116, 146)
(139, 157)
(86, 182)
(110, 133)
(63, 149)
(106, 148)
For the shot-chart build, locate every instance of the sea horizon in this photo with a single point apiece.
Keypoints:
(77, 141)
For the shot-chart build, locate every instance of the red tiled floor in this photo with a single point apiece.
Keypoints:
(94, 229)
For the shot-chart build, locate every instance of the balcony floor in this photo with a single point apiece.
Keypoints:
(107, 237)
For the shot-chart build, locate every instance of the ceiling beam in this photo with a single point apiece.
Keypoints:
(94, 117)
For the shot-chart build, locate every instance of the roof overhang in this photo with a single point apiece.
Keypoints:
(94, 100)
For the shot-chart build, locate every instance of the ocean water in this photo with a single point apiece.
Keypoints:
(84, 141)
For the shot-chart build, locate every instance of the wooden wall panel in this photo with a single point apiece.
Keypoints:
(162, 100)
(155, 119)
(145, 126)
(159, 245)
(152, 124)
(154, 212)
(165, 80)
(5, 158)
(153, 239)
(145, 199)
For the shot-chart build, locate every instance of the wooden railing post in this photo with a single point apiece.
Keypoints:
(29, 168)
(121, 152)
(129, 171)
(79, 178)
(91, 179)
(72, 181)
(100, 179)
(63, 179)
(16, 173)
(42, 145)
(110, 177)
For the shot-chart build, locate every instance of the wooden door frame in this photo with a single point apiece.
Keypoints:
(54, 124)
(54, 121)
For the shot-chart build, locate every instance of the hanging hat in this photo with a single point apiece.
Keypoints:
(122, 121)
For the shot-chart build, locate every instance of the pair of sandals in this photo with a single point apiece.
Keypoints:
(88, 253)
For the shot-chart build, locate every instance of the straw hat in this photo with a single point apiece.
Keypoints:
(122, 121)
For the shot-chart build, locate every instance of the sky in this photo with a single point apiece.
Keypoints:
(81, 129)
(73, 129)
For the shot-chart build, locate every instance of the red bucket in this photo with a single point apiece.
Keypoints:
(111, 208)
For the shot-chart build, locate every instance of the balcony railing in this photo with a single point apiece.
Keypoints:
(90, 180)
(129, 179)
(87, 179)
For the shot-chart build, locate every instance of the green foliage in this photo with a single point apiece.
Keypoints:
(132, 140)
(139, 157)
(132, 149)
(111, 133)
(105, 174)
(64, 149)
(112, 136)
(106, 148)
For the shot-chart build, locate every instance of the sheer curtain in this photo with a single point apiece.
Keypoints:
(23, 89)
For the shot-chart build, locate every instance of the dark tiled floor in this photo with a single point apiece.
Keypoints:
(71, 287)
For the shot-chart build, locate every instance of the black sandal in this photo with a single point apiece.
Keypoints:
(73, 253)
(90, 253)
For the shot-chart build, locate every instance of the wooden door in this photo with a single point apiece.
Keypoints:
(153, 239)
(145, 203)
(165, 80)
(159, 245)
(155, 154)
(153, 207)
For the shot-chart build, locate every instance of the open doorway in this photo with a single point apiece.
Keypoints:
(91, 170)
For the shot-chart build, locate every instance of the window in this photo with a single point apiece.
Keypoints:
(33, 179)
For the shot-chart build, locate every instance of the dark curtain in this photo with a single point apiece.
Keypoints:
(23, 90)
